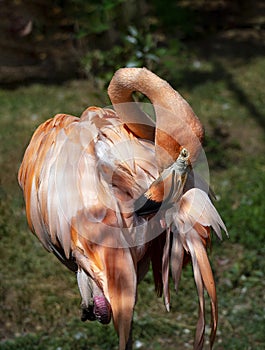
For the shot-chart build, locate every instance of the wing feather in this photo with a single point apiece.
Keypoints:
(191, 219)
(199, 337)
(70, 170)
(207, 277)
(195, 206)
(177, 255)
(165, 270)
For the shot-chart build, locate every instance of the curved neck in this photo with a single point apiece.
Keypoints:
(176, 123)
(120, 90)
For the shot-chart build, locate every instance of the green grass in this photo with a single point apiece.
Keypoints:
(39, 297)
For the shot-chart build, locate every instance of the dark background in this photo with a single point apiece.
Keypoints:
(56, 40)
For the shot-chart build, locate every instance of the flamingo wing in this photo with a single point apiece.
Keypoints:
(80, 177)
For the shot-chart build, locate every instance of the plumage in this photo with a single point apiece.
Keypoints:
(112, 191)
(165, 270)
(190, 221)
(166, 189)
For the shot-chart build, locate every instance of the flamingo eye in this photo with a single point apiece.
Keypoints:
(184, 153)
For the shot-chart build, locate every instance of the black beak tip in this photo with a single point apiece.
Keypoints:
(87, 314)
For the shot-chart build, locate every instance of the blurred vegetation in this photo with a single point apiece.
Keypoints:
(218, 65)
(58, 40)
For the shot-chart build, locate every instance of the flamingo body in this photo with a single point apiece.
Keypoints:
(95, 189)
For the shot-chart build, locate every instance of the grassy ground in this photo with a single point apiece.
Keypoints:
(39, 297)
